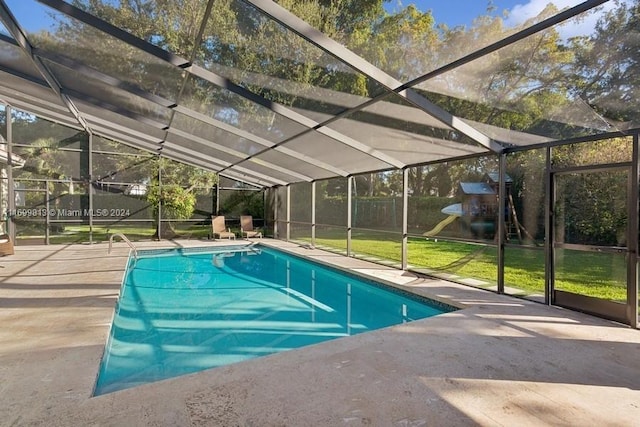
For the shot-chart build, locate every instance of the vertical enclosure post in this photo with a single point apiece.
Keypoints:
(90, 184)
(11, 194)
(288, 212)
(632, 239)
(349, 212)
(159, 219)
(502, 195)
(313, 213)
(405, 217)
(47, 216)
(549, 191)
(218, 196)
(276, 200)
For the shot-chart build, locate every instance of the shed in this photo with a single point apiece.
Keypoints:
(480, 207)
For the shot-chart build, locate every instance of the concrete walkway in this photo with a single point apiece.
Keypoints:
(499, 362)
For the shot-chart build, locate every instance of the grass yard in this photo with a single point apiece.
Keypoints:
(601, 275)
(73, 233)
(80, 233)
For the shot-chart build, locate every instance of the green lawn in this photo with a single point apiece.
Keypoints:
(80, 233)
(601, 275)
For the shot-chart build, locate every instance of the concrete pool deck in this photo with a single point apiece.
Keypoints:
(499, 362)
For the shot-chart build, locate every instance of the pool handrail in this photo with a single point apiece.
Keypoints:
(124, 239)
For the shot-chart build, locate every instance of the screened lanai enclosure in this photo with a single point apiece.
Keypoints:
(501, 152)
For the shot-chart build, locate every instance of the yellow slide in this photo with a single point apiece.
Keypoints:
(442, 224)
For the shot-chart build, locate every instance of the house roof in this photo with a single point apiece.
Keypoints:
(477, 188)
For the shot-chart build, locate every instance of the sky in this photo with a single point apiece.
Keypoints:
(462, 12)
(450, 12)
(455, 12)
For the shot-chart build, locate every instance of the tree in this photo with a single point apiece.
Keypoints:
(57, 156)
(520, 87)
(607, 68)
(175, 194)
(401, 44)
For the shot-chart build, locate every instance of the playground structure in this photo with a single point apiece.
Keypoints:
(453, 211)
(478, 211)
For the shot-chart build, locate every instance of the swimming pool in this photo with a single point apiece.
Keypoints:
(185, 310)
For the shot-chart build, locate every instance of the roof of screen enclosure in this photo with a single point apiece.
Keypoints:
(258, 94)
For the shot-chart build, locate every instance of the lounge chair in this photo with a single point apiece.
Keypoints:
(219, 228)
(6, 245)
(246, 227)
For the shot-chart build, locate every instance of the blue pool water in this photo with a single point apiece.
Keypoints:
(183, 311)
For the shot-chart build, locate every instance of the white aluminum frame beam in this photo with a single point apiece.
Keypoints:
(172, 146)
(309, 33)
(18, 34)
(304, 30)
(211, 77)
(114, 82)
(40, 110)
(293, 115)
(233, 152)
(193, 138)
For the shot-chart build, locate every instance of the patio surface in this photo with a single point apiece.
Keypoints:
(499, 362)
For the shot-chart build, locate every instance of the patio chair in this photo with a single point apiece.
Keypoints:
(6, 245)
(246, 227)
(219, 228)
